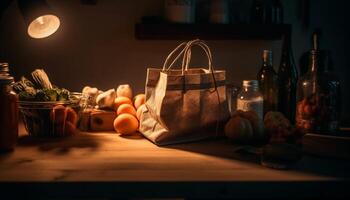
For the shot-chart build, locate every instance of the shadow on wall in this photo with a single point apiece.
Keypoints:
(96, 46)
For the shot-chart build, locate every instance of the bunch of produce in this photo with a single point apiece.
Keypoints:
(47, 109)
(280, 130)
(281, 140)
(317, 112)
(245, 127)
(40, 89)
(283, 150)
(114, 109)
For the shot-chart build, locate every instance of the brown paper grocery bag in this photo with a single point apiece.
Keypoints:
(185, 104)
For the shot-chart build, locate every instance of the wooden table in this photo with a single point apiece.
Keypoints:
(107, 165)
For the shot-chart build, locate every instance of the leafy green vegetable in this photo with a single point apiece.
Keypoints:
(24, 85)
(40, 90)
(25, 96)
(63, 94)
(46, 95)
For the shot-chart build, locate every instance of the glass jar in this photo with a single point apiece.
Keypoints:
(249, 98)
(318, 97)
(180, 11)
(231, 96)
(8, 111)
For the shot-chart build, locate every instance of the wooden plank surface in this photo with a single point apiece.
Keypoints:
(103, 161)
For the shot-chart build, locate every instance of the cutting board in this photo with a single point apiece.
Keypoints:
(334, 146)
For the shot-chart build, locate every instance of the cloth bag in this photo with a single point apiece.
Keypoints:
(184, 105)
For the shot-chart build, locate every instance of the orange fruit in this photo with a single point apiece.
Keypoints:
(70, 128)
(239, 129)
(139, 100)
(72, 116)
(65, 129)
(121, 100)
(58, 114)
(139, 111)
(126, 108)
(126, 124)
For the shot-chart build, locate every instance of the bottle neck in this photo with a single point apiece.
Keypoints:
(5, 88)
(267, 59)
(5, 78)
(287, 62)
(314, 61)
(287, 45)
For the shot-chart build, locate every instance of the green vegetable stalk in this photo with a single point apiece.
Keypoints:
(40, 89)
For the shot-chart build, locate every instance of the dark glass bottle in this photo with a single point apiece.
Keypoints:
(318, 97)
(277, 15)
(257, 12)
(268, 82)
(315, 43)
(287, 81)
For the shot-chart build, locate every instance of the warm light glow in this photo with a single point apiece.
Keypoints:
(43, 26)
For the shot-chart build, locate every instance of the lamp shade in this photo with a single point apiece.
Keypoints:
(40, 19)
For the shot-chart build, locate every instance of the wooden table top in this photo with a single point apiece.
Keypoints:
(109, 165)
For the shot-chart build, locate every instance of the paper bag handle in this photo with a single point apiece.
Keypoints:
(165, 68)
(186, 53)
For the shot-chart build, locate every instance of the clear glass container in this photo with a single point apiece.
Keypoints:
(250, 98)
(318, 94)
(231, 96)
(50, 119)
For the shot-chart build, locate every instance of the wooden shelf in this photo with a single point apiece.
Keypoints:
(167, 31)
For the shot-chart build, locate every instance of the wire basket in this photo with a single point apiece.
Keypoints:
(50, 119)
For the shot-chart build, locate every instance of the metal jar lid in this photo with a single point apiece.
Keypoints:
(5, 77)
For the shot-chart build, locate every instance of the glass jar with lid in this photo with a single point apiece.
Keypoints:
(250, 98)
(318, 97)
(8, 110)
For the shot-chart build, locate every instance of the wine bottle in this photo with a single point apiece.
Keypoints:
(268, 82)
(287, 81)
(257, 12)
(315, 44)
(277, 12)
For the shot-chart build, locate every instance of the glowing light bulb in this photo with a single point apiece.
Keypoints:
(43, 26)
(40, 20)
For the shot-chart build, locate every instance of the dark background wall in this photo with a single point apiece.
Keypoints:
(95, 45)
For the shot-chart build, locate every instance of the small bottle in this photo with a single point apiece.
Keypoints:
(8, 111)
(268, 83)
(219, 12)
(178, 11)
(277, 12)
(250, 98)
(257, 12)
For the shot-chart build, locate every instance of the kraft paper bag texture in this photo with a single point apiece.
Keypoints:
(186, 104)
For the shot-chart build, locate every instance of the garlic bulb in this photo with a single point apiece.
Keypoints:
(124, 91)
(106, 99)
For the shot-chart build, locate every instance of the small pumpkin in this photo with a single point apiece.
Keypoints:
(239, 129)
(246, 127)
(256, 121)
